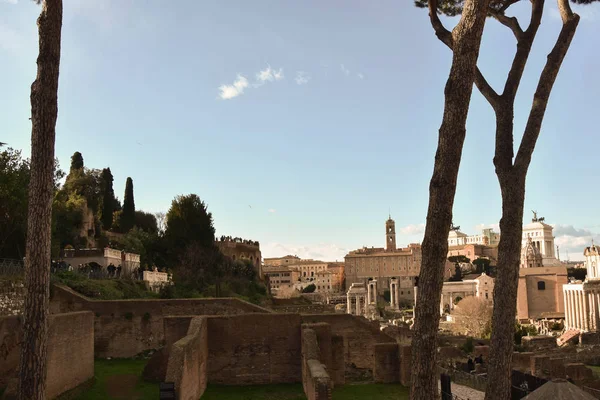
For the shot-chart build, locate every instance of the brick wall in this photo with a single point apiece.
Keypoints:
(315, 380)
(306, 309)
(187, 361)
(387, 363)
(12, 297)
(360, 337)
(254, 349)
(70, 350)
(124, 328)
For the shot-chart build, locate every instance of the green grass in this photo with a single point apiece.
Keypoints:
(594, 368)
(103, 289)
(117, 379)
(122, 379)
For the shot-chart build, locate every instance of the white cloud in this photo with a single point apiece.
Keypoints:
(272, 210)
(269, 75)
(10, 1)
(360, 76)
(345, 70)
(586, 12)
(320, 251)
(237, 88)
(570, 230)
(302, 78)
(415, 229)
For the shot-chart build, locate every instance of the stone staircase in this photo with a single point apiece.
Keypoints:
(567, 337)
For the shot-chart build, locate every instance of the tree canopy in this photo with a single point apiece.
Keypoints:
(189, 221)
(128, 215)
(497, 7)
(109, 202)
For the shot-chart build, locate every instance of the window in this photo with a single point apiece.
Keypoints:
(486, 295)
(541, 285)
(401, 292)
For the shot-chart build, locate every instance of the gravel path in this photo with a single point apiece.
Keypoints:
(465, 392)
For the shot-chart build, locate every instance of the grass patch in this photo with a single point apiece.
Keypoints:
(104, 289)
(117, 379)
(595, 369)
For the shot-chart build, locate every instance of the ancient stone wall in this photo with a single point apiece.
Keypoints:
(70, 350)
(387, 363)
(315, 380)
(306, 309)
(12, 297)
(360, 337)
(254, 349)
(124, 328)
(187, 361)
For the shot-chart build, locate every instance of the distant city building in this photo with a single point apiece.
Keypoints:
(384, 264)
(487, 238)
(541, 274)
(238, 248)
(280, 261)
(280, 280)
(582, 299)
(480, 286)
(104, 257)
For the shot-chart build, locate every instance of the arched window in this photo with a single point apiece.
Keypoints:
(541, 285)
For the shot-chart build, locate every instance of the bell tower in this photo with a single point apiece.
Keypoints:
(390, 234)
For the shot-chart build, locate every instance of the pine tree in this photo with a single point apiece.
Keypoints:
(76, 161)
(44, 112)
(128, 216)
(108, 199)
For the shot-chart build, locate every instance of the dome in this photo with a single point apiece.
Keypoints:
(530, 255)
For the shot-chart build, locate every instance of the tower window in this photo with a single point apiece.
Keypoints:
(541, 285)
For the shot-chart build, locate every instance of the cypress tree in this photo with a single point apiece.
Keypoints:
(128, 216)
(108, 199)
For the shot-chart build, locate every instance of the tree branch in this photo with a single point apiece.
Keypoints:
(523, 49)
(507, 4)
(440, 31)
(545, 84)
(486, 90)
(510, 22)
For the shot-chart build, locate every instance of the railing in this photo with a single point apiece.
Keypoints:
(11, 267)
(592, 391)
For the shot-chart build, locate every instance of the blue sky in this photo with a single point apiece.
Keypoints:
(300, 123)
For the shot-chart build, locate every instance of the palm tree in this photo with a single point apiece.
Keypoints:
(44, 112)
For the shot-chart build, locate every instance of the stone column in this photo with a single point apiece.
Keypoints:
(586, 316)
(365, 308)
(591, 313)
(349, 304)
(358, 298)
(597, 310)
(577, 310)
(393, 299)
(442, 304)
(396, 295)
(368, 292)
(573, 311)
(566, 307)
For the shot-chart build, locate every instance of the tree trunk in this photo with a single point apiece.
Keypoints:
(466, 40)
(512, 186)
(44, 112)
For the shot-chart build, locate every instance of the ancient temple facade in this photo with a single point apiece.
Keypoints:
(582, 300)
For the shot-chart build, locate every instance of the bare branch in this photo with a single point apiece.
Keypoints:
(440, 31)
(486, 90)
(510, 22)
(564, 8)
(545, 84)
(523, 49)
(507, 4)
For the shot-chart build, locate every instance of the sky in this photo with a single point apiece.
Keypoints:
(302, 124)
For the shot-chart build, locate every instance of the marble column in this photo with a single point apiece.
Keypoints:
(369, 292)
(349, 304)
(586, 315)
(358, 305)
(573, 311)
(565, 303)
(591, 312)
(576, 298)
(578, 311)
(396, 295)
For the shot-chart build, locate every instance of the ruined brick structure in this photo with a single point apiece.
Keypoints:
(12, 297)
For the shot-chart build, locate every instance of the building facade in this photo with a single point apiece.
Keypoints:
(487, 238)
(384, 264)
(280, 280)
(281, 261)
(237, 249)
(541, 274)
(582, 300)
